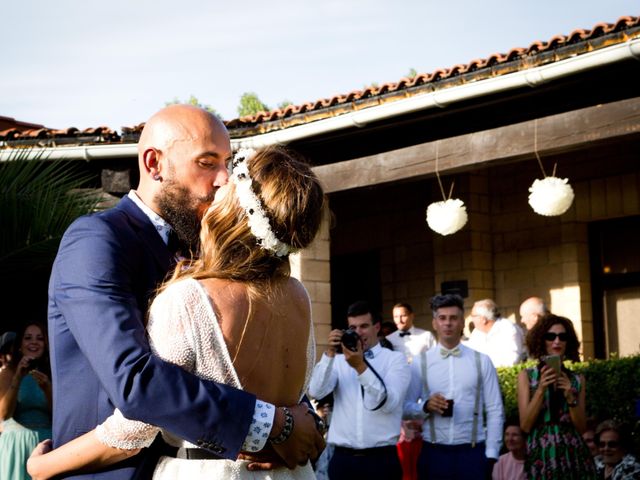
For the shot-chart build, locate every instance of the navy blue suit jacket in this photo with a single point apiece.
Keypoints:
(106, 271)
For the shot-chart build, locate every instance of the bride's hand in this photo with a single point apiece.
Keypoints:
(265, 459)
(33, 461)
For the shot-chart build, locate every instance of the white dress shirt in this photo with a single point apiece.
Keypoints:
(417, 341)
(354, 423)
(503, 343)
(456, 378)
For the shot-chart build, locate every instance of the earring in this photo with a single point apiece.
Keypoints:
(157, 177)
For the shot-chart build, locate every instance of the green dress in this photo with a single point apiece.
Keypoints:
(555, 449)
(31, 423)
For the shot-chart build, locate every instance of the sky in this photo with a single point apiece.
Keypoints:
(84, 63)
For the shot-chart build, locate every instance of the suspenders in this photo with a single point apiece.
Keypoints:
(476, 410)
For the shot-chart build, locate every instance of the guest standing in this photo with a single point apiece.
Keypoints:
(25, 401)
(451, 387)
(552, 405)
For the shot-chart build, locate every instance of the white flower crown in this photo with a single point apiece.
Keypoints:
(257, 217)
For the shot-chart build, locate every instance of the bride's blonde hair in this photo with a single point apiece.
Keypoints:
(293, 201)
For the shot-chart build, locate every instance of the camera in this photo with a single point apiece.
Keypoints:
(350, 339)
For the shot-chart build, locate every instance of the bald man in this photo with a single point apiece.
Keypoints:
(107, 269)
(532, 310)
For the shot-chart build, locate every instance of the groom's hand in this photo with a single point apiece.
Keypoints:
(305, 443)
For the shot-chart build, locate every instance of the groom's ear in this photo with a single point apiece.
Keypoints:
(151, 163)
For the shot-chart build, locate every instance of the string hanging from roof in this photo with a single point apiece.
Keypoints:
(449, 215)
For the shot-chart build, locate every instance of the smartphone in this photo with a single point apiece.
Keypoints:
(553, 361)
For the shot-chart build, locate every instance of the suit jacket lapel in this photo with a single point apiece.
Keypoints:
(147, 233)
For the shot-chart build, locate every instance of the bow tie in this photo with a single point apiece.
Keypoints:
(368, 354)
(455, 352)
(402, 334)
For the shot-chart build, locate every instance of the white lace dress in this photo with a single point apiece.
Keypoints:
(183, 329)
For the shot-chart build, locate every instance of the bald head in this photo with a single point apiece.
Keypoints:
(172, 140)
(532, 310)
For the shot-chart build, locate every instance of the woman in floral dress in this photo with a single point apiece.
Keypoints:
(552, 405)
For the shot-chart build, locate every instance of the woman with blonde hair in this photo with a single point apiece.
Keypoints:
(234, 315)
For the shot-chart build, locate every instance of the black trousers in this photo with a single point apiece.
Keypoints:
(369, 464)
(452, 462)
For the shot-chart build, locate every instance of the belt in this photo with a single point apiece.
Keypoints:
(366, 452)
(460, 446)
(193, 454)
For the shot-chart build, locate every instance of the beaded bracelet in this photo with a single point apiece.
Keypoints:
(286, 431)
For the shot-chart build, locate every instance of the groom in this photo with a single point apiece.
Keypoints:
(107, 270)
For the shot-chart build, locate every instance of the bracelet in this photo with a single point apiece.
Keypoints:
(574, 394)
(286, 431)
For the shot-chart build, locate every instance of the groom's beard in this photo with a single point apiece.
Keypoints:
(179, 208)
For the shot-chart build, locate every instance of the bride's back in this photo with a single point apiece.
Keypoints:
(268, 345)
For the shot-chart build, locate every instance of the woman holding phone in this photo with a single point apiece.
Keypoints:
(25, 401)
(551, 401)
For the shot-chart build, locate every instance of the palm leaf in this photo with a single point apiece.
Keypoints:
(38, 201)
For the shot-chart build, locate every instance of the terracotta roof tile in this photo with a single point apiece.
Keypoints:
(537, 53)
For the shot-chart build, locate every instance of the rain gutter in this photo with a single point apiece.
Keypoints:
(437, 99)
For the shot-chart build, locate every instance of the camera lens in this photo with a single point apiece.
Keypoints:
(350, 339)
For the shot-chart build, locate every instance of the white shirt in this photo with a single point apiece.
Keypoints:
(503, 343)
(411, 345)
(456, 378)
(354, 423)
(263, 412)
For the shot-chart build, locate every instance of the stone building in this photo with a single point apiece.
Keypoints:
(489, 128)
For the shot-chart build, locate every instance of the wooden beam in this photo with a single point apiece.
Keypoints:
(555, 134)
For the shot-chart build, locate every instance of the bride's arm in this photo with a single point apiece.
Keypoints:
(84, 453)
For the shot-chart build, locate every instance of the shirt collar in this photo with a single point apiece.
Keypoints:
(162, 227)
(376, 349)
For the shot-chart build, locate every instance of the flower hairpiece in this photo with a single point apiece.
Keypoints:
(257, 217)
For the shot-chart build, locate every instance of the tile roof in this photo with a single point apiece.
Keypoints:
(538, 53)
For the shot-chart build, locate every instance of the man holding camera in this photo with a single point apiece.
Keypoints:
(451, 386)
(369, 385)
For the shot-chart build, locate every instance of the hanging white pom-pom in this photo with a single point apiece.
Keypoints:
(551, 196)
(447, 217)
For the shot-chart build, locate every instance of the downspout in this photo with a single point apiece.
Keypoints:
(438, 99)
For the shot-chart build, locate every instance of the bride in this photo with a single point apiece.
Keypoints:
(234, 315)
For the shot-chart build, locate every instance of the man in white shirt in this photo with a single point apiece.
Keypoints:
(532, 310)
(451, 386)
(494, 336)
(409, 339)
(369, 384)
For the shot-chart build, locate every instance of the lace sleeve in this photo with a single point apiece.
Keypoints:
(120, 432)
(171, 339)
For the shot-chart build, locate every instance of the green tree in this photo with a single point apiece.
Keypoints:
(412, 73)
(196, 103)
(284, 104)
(250, 104)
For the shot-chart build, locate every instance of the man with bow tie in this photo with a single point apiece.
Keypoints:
(369, 384)
(411, 341)
(451, 386)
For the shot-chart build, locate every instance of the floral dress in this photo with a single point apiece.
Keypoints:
(555, 449)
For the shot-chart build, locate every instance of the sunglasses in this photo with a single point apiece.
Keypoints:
(551, 336)
(612, 444)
